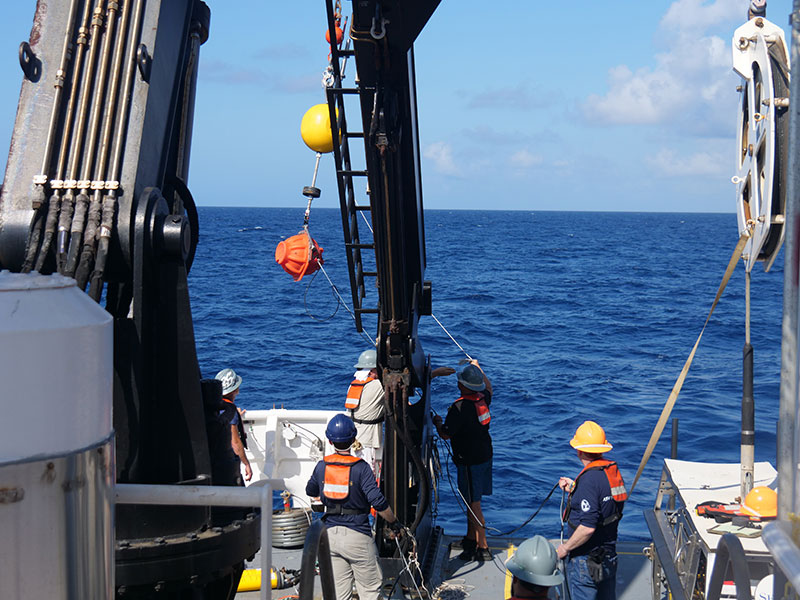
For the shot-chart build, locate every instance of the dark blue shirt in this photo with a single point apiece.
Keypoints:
(590, 504)
(364, 493)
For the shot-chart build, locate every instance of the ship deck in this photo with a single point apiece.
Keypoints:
(483, 580)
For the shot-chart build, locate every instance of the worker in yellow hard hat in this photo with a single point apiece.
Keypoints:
(594, 508)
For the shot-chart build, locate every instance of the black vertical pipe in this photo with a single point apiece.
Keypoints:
(748, 420)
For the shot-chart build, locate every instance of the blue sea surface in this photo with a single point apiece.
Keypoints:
(573, 315)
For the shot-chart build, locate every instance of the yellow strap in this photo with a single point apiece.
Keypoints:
(507, 586)
(676, 389)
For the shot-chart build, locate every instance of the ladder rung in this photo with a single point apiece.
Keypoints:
(367, 311)
(361, 246)
(355, 134)
(349, 91)
(364, 207)
(369, 273)
(353, 173)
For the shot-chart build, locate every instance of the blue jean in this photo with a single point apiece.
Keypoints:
(581, 585)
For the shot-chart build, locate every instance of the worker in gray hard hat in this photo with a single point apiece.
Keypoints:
(365, 403)
(534, 568)
(231, 382)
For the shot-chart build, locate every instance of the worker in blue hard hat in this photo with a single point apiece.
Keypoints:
(365, 403)
(467, 426)
(231, 382)
(534, 569)
(347, 489)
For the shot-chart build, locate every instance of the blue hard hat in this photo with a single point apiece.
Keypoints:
(341, 429)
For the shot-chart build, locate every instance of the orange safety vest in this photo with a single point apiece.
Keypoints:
(618, 491)
(355, 391)
(482, 410)
(336, 484)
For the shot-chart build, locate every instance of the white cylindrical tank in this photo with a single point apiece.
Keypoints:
(56, 440)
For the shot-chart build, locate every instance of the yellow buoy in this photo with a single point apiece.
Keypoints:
(251, 580)
(316, 129)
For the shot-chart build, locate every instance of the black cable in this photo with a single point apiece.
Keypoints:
(305, 302)
(486, 527)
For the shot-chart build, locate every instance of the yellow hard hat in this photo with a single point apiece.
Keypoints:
(316, 129)
(590, 437)
(761, 502)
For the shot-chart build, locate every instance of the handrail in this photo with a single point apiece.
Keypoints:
(778, 538)
(730, 551)
(316, 547)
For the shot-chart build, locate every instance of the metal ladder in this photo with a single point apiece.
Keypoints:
(346, 175)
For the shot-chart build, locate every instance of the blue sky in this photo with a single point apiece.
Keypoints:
(586, 105)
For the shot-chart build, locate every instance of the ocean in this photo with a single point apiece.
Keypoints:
(573, 315)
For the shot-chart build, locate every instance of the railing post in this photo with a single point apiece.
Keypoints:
(730, 551)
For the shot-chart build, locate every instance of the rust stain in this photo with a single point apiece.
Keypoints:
(38, 19)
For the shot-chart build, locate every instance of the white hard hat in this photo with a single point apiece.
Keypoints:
(230, 381)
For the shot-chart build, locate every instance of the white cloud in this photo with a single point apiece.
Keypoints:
(668, 163)
(691, 85)
(441, 156)
(525, 159)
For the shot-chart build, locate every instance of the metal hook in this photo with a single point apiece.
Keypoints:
(376, 35)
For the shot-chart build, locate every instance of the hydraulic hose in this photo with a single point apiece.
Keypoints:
(424, 482)
(110, 201)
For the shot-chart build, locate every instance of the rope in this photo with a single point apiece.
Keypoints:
(450, 590)
(450, 336)
(673, 396)
(352, 314)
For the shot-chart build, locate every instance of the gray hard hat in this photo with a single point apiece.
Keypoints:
(367, 360)
(536, 562)
(230, 381)
(471, 377)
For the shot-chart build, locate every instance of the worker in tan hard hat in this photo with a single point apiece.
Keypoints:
(594, 508)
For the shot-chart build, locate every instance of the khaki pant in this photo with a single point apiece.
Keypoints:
(354, 556)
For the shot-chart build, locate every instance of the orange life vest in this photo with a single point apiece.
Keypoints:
(481, 409)
(355, 391)
(336, 484)
(618, 491)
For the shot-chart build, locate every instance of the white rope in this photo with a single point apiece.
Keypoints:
(339, 296)
(455, 589)
(450, 336)
(412, 562)
(369, 225)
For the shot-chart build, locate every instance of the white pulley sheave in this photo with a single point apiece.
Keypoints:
(760, 58)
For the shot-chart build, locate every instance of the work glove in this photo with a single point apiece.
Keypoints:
(394, 530)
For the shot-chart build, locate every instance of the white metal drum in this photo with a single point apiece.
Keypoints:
(56, 440)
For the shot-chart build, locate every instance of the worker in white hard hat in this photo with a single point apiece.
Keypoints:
(365, 403)
(231, 382)
(534, 569)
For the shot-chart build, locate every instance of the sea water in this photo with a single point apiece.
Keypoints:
(573, 316)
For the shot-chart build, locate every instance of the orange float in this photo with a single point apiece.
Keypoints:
(339, 35)
(299, 255)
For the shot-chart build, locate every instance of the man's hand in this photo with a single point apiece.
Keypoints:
(395, 530)
(566, 484)
(562, 552)
(442, 372)
(248, 473)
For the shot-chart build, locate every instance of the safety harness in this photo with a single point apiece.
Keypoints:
(337, 482)
(239, 424)
(481, 409)
(353, 401)
(618, 491)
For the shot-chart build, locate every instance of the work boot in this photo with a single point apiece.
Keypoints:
(469, 548)
(483, 555)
